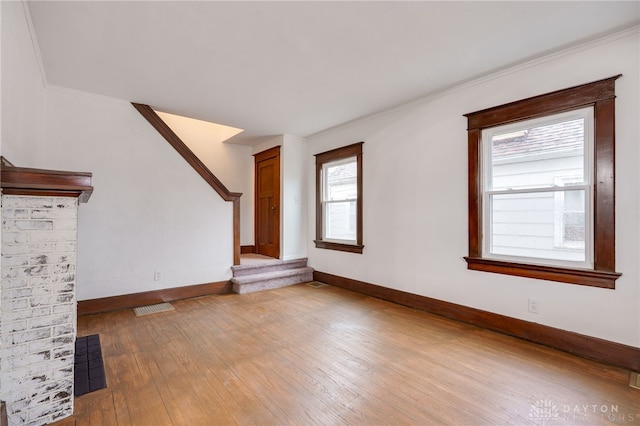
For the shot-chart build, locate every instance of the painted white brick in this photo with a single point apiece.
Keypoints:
(40, 259)
(40, 345)
(64, 268)
(51, 321)
(64, 287)
(15, 305)
(17, 326)
(14, 237)
(28, 225)
(38, 307)
(15, 351)
(30, 336)
(40, 247)
(41, 290)
(55, 364)
(9, 249)
(64, 354)
(19, 293)
(17, 375)
(43, 300)
(66, 203)
(28, 271)
(42, 412)
(41, 311)
(62, 373)
(53, 214)
(15, 213)
(40, 368)
(9, 261)
(59, 342)
(45, 280)
(51, 236)
(18, 315)
(66, 224)
(20, 202)
(15, 283)
(63, 330)
(39, 379)
(64, 308)
(62, 257)
(19, 407)
(63, 247)
(29, 359)
(65, 298)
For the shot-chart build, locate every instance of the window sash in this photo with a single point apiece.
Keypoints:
(325, 179)
(558, 254)
(328, 231)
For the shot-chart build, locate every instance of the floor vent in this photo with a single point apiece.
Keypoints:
(634, 382)
(316, 284)
(152, 309)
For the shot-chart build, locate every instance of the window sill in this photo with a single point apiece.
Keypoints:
(351, 248)
(586, 277)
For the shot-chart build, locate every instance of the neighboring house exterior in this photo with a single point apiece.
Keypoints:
(548, 224)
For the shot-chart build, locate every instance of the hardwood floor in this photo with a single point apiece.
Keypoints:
(302, 355)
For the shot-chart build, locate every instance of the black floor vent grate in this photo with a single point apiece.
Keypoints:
(88, 366)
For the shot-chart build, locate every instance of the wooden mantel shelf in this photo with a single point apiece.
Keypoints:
(27, 181)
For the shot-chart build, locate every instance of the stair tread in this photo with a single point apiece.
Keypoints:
(245, 279)
(274, 262)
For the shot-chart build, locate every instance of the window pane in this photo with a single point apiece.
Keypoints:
(538, 156)
(573, 218)
(536, 225)
(341, 180)
(340, 220)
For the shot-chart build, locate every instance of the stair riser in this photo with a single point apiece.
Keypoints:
(272, 283)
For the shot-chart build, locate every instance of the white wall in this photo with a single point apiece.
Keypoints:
(232, 164)
(150, 211)
(22, 88)
(294, 198)
(415, 197)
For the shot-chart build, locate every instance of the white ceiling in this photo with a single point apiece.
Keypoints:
(299, 67)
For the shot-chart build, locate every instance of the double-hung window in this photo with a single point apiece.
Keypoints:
(339, 199)
(541, 186)
(538, 187)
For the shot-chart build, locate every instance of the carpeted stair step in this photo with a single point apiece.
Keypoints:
(270, 280)
(261, 268)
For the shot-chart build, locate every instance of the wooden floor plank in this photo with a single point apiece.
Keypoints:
(300, 355)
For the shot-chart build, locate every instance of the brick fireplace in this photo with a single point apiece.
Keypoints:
(37, 292)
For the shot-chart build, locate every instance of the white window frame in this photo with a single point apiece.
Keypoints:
(326, 202)
(487, 190)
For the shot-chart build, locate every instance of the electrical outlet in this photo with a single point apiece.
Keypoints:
(157, 276)
(533, 306)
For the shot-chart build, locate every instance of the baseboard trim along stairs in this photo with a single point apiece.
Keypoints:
(269, 275)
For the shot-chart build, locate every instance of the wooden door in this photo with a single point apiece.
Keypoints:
(267, 203)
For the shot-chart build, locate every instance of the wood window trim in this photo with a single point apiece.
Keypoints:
(599, 94)
(354, 150)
